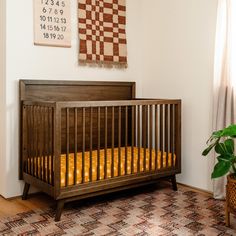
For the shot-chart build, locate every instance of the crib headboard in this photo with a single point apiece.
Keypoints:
(57, 90)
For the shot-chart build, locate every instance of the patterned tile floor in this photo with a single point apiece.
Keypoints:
(151, 211)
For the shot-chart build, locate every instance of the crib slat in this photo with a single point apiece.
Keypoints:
(67, 146)
(33, 142)
(40, 143)
(150, 136)
(175, 148)
(36, 141)
(44, 146)
(49, 146)
(132, 140)
(83, 144)
(112, 140)
(171, 134)
(99, 140)
(30, 141)
(138, 141)
(25, 138)
(119, 141)
(156, 137)
(161, 134)
(75, 145)
(91, 146)
(105, 151)
(177, 128)
(52, 146)
(57, 122)
(144, 134)
(166, 133)
(126, 140)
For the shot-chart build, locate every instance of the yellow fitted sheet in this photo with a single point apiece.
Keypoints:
(167, 162)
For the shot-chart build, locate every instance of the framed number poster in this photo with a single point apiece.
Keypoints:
(52, 23)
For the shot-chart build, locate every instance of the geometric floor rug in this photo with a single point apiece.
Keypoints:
(153, 211)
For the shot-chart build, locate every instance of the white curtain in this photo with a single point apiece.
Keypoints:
(224, 75)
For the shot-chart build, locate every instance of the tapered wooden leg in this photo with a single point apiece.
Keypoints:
(174, 184)
(60, 206)
(26, 191)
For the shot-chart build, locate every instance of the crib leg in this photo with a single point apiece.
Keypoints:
(174, 184)
(60, 206)
(25, 191)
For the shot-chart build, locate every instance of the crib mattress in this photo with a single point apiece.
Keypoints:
(166, 159)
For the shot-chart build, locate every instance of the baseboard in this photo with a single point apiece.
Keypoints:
(197, 189)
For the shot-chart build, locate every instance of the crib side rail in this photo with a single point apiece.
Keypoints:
(37, 140)
(116, 103)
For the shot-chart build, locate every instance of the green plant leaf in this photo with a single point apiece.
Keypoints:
(229, 131)
(220, 148)
(221, 169)
(217, 134)
(226, 158)
(229, 144)
(208, 149)
(210, 146)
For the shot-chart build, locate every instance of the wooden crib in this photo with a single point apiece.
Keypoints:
(82, 139)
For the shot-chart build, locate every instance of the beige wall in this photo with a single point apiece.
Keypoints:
(179, 52)
(2, 88)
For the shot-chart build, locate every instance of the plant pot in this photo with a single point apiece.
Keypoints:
(230, 198)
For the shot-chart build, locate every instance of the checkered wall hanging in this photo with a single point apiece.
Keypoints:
(102, 32)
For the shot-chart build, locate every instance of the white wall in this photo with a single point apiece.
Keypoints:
(180, 53)
(170, 52)
(26, 61)
(2, 88)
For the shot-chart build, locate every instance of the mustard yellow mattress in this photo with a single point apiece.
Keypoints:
(167, 162)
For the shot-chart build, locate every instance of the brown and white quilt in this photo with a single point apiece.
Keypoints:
(102, 32)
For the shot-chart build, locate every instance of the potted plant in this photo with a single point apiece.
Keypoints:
(222, 141)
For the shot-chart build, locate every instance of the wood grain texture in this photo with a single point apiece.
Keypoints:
(43, 90)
